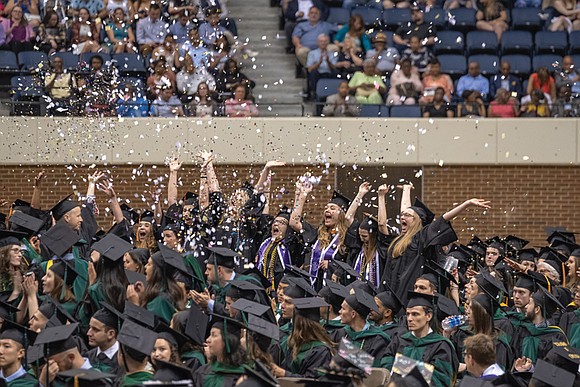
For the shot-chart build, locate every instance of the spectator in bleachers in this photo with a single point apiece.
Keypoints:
(29, 8)
(195, 49)
(396, 4)
(230, 77)
(505, 80)
(416, 27)
(453, 4)
(151, 30)
(473, 80)
(355, 30)
(84, 34)
(52, 33)
(418, 54)
(59, 86)
(406, 87)
(565, 105)
(543, 81)
(125, 5)
(167, 50)
(341, 104)
(188, 79)
(141, 8)
(321, 63)
(97, 87)
(240, 105)
(491, 16)
(96, 8)
(167, 104)
(528, 4)
(120, 34)
(181, 26)
(568, 75)
(180, 8)
(19, 34)
(502, 106)
(471, 105)
(132, 104)
(367, 86)
(296, 12)
(565, 15)
(203, 103)
(438, 108)
(434, 79)
(162, 77)
(212, 33)
(385, 57)
(536, 106)
(305, 35)
(350, 58)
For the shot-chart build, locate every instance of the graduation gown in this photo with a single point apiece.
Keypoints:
(503, 353)
(25, 380)
(570, 324)
(502, 322)
(334, 328)
(535, 343)
(162, 306)
(371, 340)
(136, 378)
(376, 267)
(433, 349)
(217, 375)
(310, 357)
(392, 329)
(400, 273)
(193, 360)
(81, 267)
(103, 363)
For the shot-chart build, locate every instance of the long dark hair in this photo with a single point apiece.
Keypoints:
(482, 321)
(306, 331)
(162, 281)
(236, 355)
(179, 322)
(113, 280)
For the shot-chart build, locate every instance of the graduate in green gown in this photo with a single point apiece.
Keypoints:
(136, 344)
(389, 306)
(334, 294)
(193, 324)
(14, 341)
(423, 343)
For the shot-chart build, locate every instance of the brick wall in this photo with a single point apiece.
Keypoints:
(525, 200)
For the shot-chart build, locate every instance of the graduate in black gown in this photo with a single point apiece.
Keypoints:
(385, 319)
(104, 327)
(334, 294)
(14, 342)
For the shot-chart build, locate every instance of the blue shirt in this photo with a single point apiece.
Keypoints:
(149, 31)
(209, 34)
(201, 55)
(314, 57)
(135, 107)
(162, 108)
(308, 33)
(94, 6)
(180, 32)
(479, 83)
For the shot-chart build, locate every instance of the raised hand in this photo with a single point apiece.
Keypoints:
(39, 177)
(479, 203)
(107, 188)
(383, 189)
(174, 164)
(274, 163)
(96, 177)
(364, 188)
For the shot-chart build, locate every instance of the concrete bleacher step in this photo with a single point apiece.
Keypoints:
(277, 91)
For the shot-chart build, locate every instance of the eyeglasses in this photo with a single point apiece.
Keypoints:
(405, 215)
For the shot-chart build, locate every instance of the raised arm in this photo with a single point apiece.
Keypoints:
(465, 205)
(363, 189)
(406, 197)
(35, 201)
(382, 193)
(93, 180)
(174, 165)
(266, 174)
(107, 188)
(212, 180)
(295, 217)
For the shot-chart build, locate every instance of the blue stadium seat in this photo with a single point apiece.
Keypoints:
(70, 61)
(454, 65)
(27, 90)
(576, 60)
(462, 19)
(551, 42)
(371, 16)
(395, 17)
(449, 42)
(575, 43)
(516, 42)
(374, 111)
(8, 62)
(32, 60)
(481, 42)
(489, 64)
(527, 19)
(85, 59)
(338, 16)
(406, 111)
(130, 64)
(521, 65)
(326, 87)
(437, 16)
(551, 62)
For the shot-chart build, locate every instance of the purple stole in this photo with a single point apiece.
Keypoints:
(326, 254)
(372, 269)
(282, 251)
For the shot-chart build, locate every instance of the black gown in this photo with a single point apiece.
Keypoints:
(503, 353)
(103, 363)
(400, 273)
(535, 343)
(311, 357)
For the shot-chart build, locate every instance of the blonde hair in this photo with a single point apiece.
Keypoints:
(325, 235)
(401, 243)
(57, 290)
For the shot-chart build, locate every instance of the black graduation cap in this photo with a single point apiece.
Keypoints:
(60, 238)
(390, 301)
(340, 200)
(548, 253)
(57, 339)
(251, 307)
(191, 198)
(515, 242)
(309, 307)
(423, 212)
(299, 288)
(564, 356)
(415, 379)
(112, 247)
(87, 377)
(19, 204)
(242, 289)
(54, 312)
(147, 216)
(139, 315)
(133, 277)
(175, 338)
(334, 293)
(365, 286)
(438, 276)
(196, 326)
(170, 372)
(421, 299)
(227, 326)
(292, 271)
(66, 270)
(369, 223)
(531, 280)
(137, 337)
(344, 272)
(546, 301)
(262, 327)
(562, 235)
(109, 316)
(362, 303)
(478, 246)
(8, 238)
(7, 310)
(285, 213)
(527, 255)
(142, 255)
(259, 276)
(446, 306)
(260, 372)
(552, 375)
(497, 243)
(167, 257)
(558, 266)
(22, 222)
(18, 333)
(491, 285)
(564, 246)
(62, 207)
(488, 303)
(222, 256)
(130, 214)
(463, 253)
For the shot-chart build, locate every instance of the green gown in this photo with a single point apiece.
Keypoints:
(535, 343)
(82, 268)
(371, 340)
(162, 307)
(217, 375)
(570, 324)
(26, 380)
(136, 378)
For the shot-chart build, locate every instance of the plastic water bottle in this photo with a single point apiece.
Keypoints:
(453, 321)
